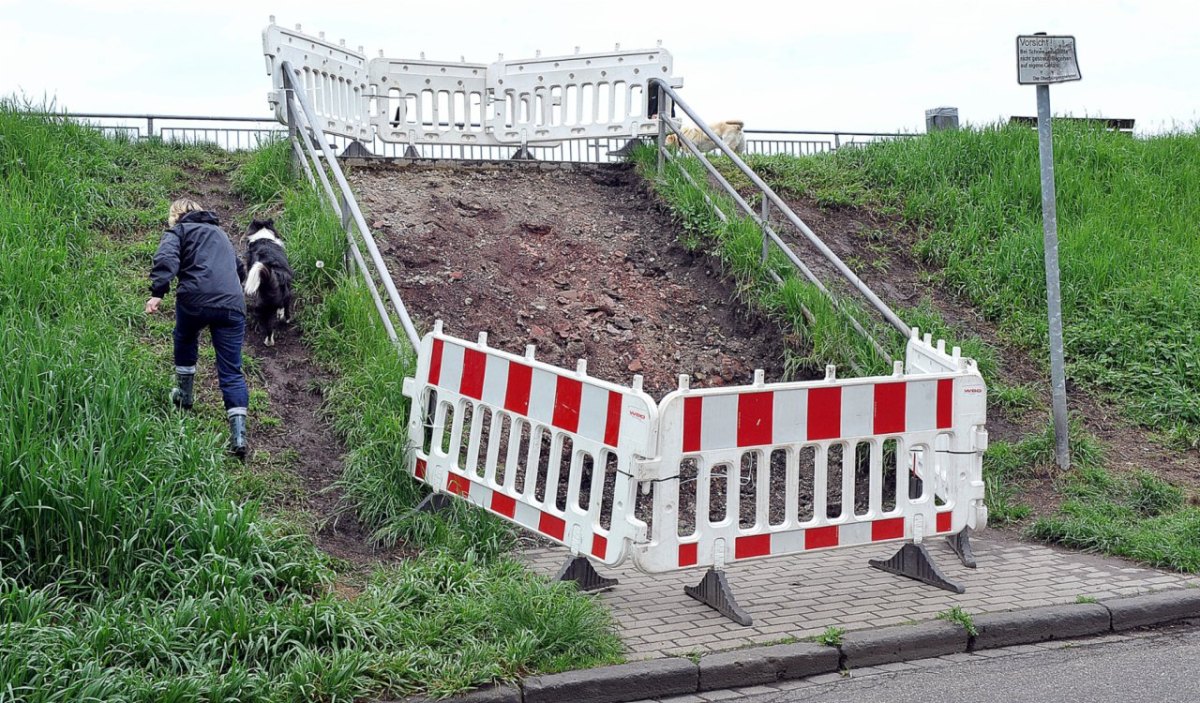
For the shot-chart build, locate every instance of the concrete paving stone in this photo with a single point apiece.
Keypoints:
(686, 698)
(719, 695)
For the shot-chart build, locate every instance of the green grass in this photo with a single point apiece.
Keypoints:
(1127, 213)
(831, 637)
(960, 616)
(135, 563)
(370, 413)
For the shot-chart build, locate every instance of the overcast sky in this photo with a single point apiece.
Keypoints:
(848, 65)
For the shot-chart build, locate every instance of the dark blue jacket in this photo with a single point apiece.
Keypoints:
(199, 253)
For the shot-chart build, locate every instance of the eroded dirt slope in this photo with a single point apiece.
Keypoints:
(581, 263)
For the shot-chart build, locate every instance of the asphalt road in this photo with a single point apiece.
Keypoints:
(1153, 669)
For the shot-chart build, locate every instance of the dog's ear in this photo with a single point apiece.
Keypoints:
(256, 225)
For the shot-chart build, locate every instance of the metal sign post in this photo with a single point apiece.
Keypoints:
(1042, 60)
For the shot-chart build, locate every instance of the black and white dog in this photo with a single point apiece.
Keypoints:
(268, 278)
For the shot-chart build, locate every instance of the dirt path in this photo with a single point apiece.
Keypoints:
(301, 443)
(581, 262)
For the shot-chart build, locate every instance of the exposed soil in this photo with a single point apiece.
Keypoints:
(580, 262)
(302, 443)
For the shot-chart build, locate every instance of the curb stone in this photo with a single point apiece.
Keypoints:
(1153, 608)
(901, 643)
(656, 678)
(759, 665)
(659, 678)
(1052, 622)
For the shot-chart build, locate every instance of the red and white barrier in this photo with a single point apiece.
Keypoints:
(752, 471)
(533, 443)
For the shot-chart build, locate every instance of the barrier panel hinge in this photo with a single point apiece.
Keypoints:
(646, 469)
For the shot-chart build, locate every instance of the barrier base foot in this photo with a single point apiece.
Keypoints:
(713, 591)
(434, 503)
(523, 154)
(355, 149)
(627, 150)
(961, 544)
(581, 571)
(914, 562)
(411, 152)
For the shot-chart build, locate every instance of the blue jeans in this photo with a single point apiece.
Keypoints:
(228, 328)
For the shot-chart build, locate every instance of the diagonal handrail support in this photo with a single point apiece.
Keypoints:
(309, 117)
(771, 196)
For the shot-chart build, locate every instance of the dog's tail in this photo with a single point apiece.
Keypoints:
(254, 277)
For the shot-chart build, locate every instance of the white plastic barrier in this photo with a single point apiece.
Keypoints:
(764, 470)
(583, 95)
(541, 101)
(538, 445)
(334, 77)
(427, 102)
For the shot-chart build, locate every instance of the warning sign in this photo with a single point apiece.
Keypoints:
(1042, 60)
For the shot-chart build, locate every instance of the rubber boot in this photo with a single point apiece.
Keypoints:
(237, 432)
(181, 394)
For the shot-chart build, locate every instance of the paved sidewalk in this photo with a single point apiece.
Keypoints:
(801, 595)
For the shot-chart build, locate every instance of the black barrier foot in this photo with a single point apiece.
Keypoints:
(411, 152)
(523, 154)
(914, 562)
(581, 571)
(626, 150)
(713, 591)
(961, 544)
(355, 149)
(434, 503)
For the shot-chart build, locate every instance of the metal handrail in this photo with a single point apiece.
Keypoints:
(769, 195)
(350, 204)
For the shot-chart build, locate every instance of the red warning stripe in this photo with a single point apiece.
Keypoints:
(419, 472)
(688, 554)
(435, 362)
(458, 485)
(890, 407)
(552, 526)
(693, 411)
(599, 546)
(474, 366)
(516, 393)
(566, 404)
(504, 505)
(825, 413)
(751, 546)
(612, 422)
(821, 537)
(892, 528)
(754, 418)
(944, 521)
(945, 403)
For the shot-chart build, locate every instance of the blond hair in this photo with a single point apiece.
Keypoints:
(181, 207)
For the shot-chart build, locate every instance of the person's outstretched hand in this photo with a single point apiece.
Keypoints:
(152, 305)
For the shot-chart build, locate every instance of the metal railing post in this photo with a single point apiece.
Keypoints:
(837, 141)
(766, 218)
(662, 130)
(149, 127)
(293, 132)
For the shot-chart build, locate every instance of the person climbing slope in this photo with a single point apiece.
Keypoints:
(208, 295)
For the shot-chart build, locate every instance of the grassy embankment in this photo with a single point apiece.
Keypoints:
(134, 565)
(1127, 210)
